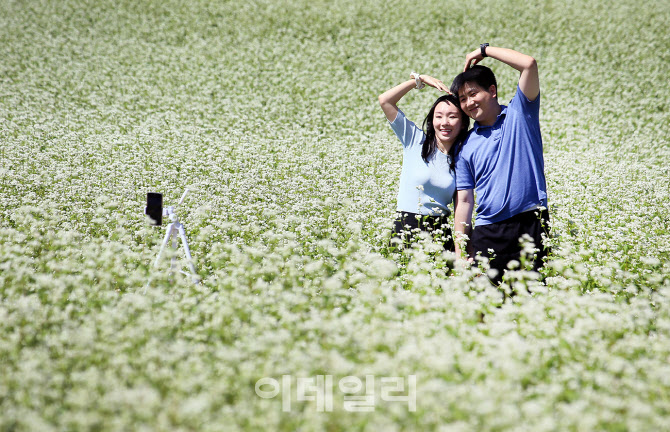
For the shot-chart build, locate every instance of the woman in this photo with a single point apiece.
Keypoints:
(427, 183)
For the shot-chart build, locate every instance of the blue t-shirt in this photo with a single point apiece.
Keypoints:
(504, 162)
(425, 188)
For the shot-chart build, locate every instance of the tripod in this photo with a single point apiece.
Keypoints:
(175, 231)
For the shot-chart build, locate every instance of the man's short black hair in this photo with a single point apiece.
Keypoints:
(478, 74)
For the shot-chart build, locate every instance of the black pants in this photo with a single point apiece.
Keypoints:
(406, 224)
(500, 243)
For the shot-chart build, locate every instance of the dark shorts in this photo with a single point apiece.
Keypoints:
(406, 225)
(503, 239)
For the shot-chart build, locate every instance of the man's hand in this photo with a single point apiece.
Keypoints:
(472, 59)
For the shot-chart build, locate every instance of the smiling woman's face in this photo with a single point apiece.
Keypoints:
(447, 123)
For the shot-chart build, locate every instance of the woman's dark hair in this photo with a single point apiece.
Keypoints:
(430, 143)
(478, 74)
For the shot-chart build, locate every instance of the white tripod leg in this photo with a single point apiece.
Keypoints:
(166, 242)
(175, 245)
(187, 252)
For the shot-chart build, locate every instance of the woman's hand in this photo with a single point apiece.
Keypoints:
(434, 82)
(390, 98)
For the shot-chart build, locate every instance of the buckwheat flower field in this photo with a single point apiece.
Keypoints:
(304, 320)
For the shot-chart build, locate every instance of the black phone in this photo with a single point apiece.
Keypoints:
(155, 207)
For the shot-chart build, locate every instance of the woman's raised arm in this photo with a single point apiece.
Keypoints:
(390, 98)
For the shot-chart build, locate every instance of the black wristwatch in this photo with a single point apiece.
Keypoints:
(483, 48)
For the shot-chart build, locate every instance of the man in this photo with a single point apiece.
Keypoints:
(502, 161)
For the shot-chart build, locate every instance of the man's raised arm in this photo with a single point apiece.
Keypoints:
(529, 81)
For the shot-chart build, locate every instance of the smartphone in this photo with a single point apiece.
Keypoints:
(155, 207)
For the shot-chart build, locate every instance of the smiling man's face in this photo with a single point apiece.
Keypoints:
(479, 103)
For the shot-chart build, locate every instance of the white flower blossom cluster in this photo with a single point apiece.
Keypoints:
(267, 111)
